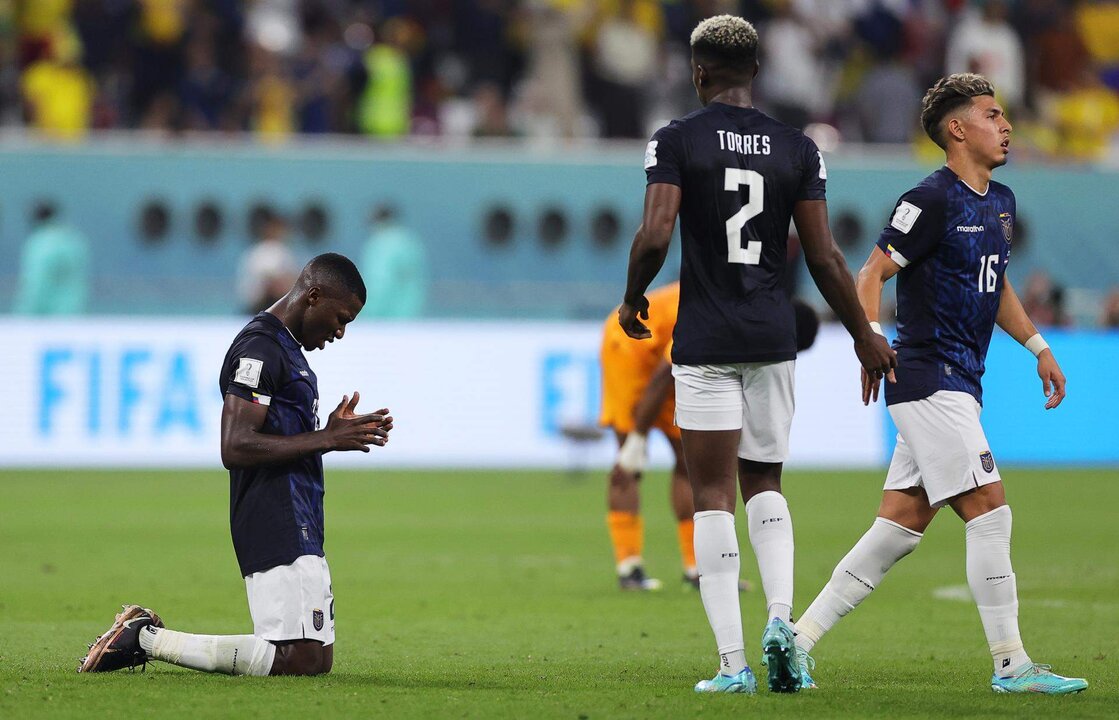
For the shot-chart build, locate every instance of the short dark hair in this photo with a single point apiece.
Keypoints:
(947, 95)
(807, 324)
(729, 41)
(334, 272)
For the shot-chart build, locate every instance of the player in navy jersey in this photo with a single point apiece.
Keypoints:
(948, 241)
(272, 445)
(735, 177)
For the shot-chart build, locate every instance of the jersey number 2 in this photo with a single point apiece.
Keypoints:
(755, 184)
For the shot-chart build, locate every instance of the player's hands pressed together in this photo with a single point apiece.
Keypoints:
(878, 360)
(350, 431)
(1052, 379)
(630, 317)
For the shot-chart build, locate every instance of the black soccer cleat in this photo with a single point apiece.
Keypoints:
(120, 647)
(637, 580)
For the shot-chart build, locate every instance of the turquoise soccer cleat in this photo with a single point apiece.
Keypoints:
(743, 682)
(1037, 678)
(805, 663)
(780, 658)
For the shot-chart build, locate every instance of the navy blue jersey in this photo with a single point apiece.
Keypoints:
(953, 246)
(275, 511)
(740, 172)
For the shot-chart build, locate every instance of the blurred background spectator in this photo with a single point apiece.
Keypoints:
(394, 266)
(984, 42)
(267, 269)
(1110, 316)
(54, 267)
(1044, 301)
(543, 68)
(541, 72)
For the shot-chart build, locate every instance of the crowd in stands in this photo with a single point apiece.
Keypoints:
(543, 68)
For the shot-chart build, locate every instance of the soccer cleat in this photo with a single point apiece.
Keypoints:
(637, 580)
(120, 647)
(691, 582)
(743, 682)
(1037, 678)
(779, 657)
(805, 663)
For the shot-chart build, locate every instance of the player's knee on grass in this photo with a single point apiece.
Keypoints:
(303, 657)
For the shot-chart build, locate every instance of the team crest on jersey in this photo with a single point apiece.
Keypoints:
(317, 618)
(988, 461)
(1007, 223)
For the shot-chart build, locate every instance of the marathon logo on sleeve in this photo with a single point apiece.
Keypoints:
(651, 154)
(248, 372)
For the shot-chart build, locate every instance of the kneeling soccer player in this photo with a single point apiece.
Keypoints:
(273, 448)
(948, 242)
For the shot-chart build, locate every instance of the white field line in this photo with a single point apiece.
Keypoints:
(961, 593)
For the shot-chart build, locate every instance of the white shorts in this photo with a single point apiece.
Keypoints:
(941, 447)
(756, 398)
(293, 602)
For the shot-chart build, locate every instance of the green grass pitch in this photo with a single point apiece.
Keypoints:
(491, 594)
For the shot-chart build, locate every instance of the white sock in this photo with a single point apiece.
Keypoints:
(771, 534)
(716, 554)
(991, 578)
(625, 567)
(856, 575)
(229, 654)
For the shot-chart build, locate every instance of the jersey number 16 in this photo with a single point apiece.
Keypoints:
(988, 275)
(735, 178)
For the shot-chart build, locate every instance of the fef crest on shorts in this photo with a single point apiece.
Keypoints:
(1007, 223)
(317, 616)
(986, 458)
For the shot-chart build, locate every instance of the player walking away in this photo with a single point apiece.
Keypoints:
(273, 448)
(735, 177)
(948, 241)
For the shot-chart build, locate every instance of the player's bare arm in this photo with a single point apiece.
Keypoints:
(633, 453)
(871, 280)
(244, 445)
(1013, 319)
(652, 399)
(646, 256)
(829, 271)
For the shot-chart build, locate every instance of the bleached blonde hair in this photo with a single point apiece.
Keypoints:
(726, 37)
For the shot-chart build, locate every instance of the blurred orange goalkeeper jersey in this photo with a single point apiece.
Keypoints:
(628, 364)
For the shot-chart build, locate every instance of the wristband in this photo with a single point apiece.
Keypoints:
(876, 327)
(1036, 344)
(632, 453)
